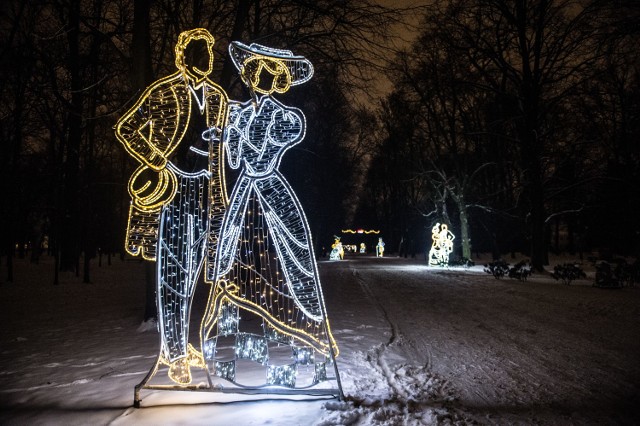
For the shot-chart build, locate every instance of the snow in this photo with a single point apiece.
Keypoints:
(418, 346)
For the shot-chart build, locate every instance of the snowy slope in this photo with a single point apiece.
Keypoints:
(418, 346)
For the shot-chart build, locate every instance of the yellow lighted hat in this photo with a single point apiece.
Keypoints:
(300, 68)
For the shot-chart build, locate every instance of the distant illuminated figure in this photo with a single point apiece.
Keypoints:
(337, 250)
(265, 267)
(380, 248)
(441, 245)
(363, 248)
(177, 192)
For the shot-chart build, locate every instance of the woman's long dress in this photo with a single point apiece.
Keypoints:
(265, 265)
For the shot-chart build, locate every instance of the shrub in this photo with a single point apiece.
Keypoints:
(568, 272)
(606, 276)
(521, 270)
(620, 275)
(462, 261)
(497, 268)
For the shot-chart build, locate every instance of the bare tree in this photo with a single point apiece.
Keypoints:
(532, 55)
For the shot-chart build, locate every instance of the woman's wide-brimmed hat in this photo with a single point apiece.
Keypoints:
(300, 68)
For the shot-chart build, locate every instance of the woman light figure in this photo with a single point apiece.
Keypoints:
(265, 263)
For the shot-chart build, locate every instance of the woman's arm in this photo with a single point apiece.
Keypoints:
(234, 132)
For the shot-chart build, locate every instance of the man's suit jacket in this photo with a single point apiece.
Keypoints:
(151, 131)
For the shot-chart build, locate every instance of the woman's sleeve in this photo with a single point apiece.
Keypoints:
(287, 126)
(233, 134)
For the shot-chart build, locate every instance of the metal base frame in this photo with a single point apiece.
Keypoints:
(239, 389)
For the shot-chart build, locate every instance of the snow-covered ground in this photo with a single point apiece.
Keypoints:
(418, 346)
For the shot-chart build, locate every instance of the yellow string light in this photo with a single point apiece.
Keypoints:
(152, 129)
(360, 231)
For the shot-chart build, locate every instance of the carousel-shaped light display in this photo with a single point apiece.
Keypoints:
(265, 268)
(360, 231)
(441, 245)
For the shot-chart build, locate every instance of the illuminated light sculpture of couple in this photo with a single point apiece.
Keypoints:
(380, 248)
(255, 246)
(441, 245)
(337, 249)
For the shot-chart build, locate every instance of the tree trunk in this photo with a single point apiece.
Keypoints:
(10, 264)
(86, 268)
(69, 244)
(465, 241)
(141, 77)
(464, 233)
(150, 308)
(539, 252)
(56, 266)
(242, 12)
(141, 68)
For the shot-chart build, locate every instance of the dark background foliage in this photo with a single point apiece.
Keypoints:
(516, 122)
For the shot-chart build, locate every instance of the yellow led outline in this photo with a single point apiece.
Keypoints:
(152, 202)
(136, 250)
(229, 291)
(351, 231)
(263, 64)
(183, 41)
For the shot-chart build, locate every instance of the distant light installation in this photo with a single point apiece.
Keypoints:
(441, 245)
(380, 248)
(337, 249)
(265, 267)
(360, 231)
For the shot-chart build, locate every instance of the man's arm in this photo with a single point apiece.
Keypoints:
(138, 129)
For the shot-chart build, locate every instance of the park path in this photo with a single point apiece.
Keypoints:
(474, 348)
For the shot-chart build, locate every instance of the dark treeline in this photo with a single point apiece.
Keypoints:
(70, 68)
(518, 123)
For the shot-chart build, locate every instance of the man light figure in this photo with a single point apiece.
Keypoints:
(177, 192)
